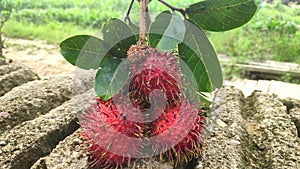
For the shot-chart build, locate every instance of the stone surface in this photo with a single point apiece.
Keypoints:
(224, 147)
(31, 140)
(286, 2)
(260, 133)
(150, 163)
(293, 108)
(2, 62)
(12, 76)
(32, 99)
(272, 130)
(295, 114)
(72, 153)
(67, 154)
(6, 69)
(35, 98)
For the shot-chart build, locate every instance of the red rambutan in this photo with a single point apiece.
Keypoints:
(150, 107)
(178, 132)
(177, 129)
(112, 137)
(153, 70)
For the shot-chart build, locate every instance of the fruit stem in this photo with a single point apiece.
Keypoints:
(181, 10)
(144, 22)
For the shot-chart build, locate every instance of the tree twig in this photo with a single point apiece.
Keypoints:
(127, 17)
(181, 10)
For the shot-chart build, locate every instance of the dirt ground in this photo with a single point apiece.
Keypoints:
(44, 59)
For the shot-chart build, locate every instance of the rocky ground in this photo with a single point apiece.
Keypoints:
(260, 131)
(39, 124)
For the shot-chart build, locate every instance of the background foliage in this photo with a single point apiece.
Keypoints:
(273, 33)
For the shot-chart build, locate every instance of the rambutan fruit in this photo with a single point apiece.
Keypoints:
(150, 108)
(178, 133)
(112, 137)
(153, 70)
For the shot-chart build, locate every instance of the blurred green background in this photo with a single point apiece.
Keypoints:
(273, 33)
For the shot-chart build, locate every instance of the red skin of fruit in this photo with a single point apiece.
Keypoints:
(114, 128)
(148, 80)
(113, 139)
(179, 132)
(152, 70)
(178, 127)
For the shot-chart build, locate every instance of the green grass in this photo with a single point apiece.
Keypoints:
(51, 32)
(272, 34)
(222, 41)
(86, 13)
(54, 20)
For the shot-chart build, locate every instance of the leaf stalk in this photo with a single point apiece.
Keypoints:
(181, 10)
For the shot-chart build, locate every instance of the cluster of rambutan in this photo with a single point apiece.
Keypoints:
(157, 110)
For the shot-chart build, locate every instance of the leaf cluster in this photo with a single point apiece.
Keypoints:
(169, 32)
(272, 34)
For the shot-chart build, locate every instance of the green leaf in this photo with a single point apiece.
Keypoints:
(221, 15)
(166, 31)
(119, 35)
(135, 30)
(200, 56)
(84, 51)
(111, 77)
(206, 98)
(194, 95)
(192, 87)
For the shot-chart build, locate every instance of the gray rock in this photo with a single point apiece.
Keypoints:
(293, 108)
(31, 140)
(6, 69)
(261, 132)
(69, 154)
(272, 132)
(13, 76)
(2, 62)
(32, 99)
(225, 132)
(286, 2)
(3, 143)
